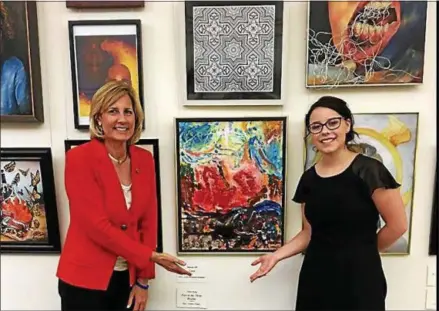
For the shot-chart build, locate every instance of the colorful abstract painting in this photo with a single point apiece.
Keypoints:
(234, 49)
(231, 184)
(364, 43)
(391, 139)
(29, 219)
(102, 51)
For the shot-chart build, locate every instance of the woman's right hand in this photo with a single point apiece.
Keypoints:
(267, 264)
(170, 263)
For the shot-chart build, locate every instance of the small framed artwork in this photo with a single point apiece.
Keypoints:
(21, 98)
(29, 216)
(432, 251)
(233, 50)
(152, 145)
(365, 43)
(102, 50)
(230, 184)
(391, 138)
(127, 4)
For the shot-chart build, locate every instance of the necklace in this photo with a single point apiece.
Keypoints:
(117, 160)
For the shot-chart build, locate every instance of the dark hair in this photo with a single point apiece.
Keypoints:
(339, 106)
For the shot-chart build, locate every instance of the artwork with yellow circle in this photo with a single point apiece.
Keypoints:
(391, 139)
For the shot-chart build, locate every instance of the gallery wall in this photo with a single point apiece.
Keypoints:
(28, 280)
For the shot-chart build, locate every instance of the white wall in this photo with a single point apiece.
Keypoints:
(28, 282)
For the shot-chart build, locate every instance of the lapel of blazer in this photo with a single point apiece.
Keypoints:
(137, 175)
(109, 175)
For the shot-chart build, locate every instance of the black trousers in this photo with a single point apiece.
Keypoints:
(114, 298)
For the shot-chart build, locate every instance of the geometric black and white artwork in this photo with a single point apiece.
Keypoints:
(234, 49)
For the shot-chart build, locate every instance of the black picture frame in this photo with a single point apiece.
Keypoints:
(22, 49)
(192, 211)
(104, 60)
(432, 249)
(275, 94)
(105, 4)
(153, 144)
(39, 191)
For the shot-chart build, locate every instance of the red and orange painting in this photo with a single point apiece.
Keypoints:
(98, 58)
(23, 212)
(360, 43)
(231, 184)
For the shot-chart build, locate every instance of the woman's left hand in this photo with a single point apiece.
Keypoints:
(139, 296)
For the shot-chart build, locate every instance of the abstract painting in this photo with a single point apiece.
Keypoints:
(21, 97)
(365, 43)
(29, 217)
(231, 184)
(100, 51)
(390, 138)
(93, 4)
(432, 249)
(152, 145)
(234, 49)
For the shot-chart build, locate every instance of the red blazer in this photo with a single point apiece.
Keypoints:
(101, 227)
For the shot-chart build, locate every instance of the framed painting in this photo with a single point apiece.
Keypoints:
(152, 145)
(127, 4)
(230, 184)
(233, 49)
(365, 43)
(21, 98)
(29, 216)
(432, 249)
(392, 139)
(102, 50)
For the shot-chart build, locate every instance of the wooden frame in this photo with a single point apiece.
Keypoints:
(29, 215)
(21, 95)
(432, 249)
(108, 49)
(223, 193)
(242, 69)
(127, 4)
(153, 146)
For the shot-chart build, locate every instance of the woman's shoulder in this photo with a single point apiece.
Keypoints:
(373, 173)
(141, 155)
(140, 151)
(79, 150)
(366, 163)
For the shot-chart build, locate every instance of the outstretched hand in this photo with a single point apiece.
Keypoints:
(267, 264)
(170, 263)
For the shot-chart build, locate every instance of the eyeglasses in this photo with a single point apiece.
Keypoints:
(331, 124)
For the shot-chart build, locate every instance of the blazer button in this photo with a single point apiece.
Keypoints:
(123, 227)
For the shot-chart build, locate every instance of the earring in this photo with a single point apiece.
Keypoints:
(100, 129)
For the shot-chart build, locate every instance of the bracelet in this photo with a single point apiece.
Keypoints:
(142, 285)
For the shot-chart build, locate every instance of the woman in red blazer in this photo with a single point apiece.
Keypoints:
(108, 255)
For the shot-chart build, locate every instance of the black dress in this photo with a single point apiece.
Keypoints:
(342, 266)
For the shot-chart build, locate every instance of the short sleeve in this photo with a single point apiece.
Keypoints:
(375, 175)
(302, 190)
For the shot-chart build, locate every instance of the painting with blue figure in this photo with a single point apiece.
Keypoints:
(20, 77)
(14, 88)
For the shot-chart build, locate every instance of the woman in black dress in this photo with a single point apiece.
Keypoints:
(342, 197)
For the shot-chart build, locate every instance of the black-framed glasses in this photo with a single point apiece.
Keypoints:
(331, 124)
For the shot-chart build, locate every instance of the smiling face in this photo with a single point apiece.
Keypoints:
(118, 120)
(328, 130)
(362, 29)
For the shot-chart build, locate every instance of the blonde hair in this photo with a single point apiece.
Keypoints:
(106, 96)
